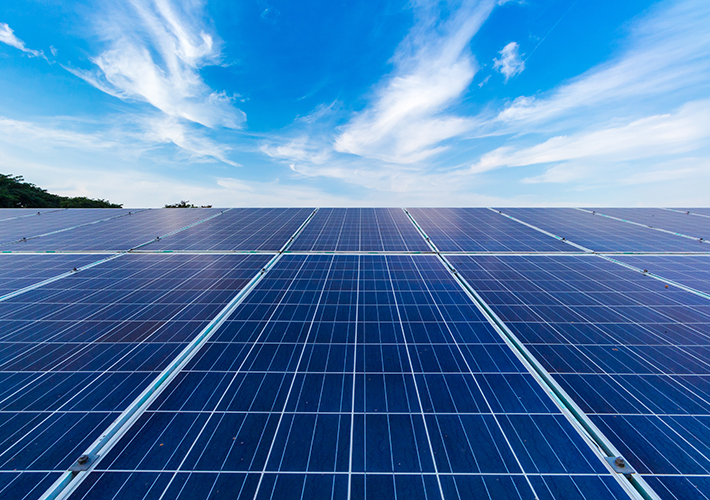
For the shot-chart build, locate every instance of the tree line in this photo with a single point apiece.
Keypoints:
(16, 193)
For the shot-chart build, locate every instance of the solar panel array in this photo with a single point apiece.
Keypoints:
(355, 353)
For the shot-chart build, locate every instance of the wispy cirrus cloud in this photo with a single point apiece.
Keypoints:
(683, 131)
(510, 63)
(154, 50)
(408, 117)
(668, 53)
(130, 137)
(7, 36)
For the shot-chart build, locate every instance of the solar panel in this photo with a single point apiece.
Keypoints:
(122, 233)
(16, 229)
(688, 270)
(353, 377)
(265, 229)
(76, 352)
(697, 211)
(482, 230)
(360, 230)
(351, 370)
(602, 234)
(687, 224)
(14, 213)
(632, 354)
(19, 271)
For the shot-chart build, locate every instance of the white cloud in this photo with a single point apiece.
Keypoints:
(299, 149)
(7, 35)
(120, 139)
(170, 130)
(509, 63)
(407, 119)
(668, 53)
(18, 132)
(669, 134)
(154, 52)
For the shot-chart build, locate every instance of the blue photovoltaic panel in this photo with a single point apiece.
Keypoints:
(360, 230)
(353, 377)
(266, 229)
(122, 233)
(21, 270)
(687, 224)
(481, 230)
(634, 355)
(27, 227)
(688, 270)
(76, 352)
(602, 234)
(14, 213)
(699, 211)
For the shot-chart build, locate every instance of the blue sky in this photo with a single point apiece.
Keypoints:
(359, 103)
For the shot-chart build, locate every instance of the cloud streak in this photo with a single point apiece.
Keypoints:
(655, 136)
(7, 36)
(158, 58)
(407, 119)
(669, 52)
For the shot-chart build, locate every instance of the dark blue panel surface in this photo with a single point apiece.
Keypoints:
(28, 227)
(266, 229)
(360, 230)
(482, 230)
(21, 485)
(15, 213)
(698, 211)
(76, 352)
(18, 270)
(353, 377)
(122, 233)
(633, 354)
(684, 223)
(602, 234)
(688, 270)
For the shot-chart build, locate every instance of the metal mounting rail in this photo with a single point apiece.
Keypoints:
(642, 225)
(112, 255)
(179, 230)
(34, 214)
(70, 228)
(584, 249)
(633, 484)
(686, 212)
(57, 278)
(298, 231)
(87, 461)
(658, 277)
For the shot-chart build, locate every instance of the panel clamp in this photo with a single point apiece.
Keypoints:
(83, 463)
(620, 465)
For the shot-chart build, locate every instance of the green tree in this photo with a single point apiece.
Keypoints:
(16, 193)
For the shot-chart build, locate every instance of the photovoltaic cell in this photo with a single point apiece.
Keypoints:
(481, 230)
(122, 233)
(14, 213)
(26, 227)
(688, 270)
(353, 377)
(602, 234)
(687, 224)
(76, 352)
(633, 355)
(360, 230)
(20, 271)
(701, 211)
(265, 229)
